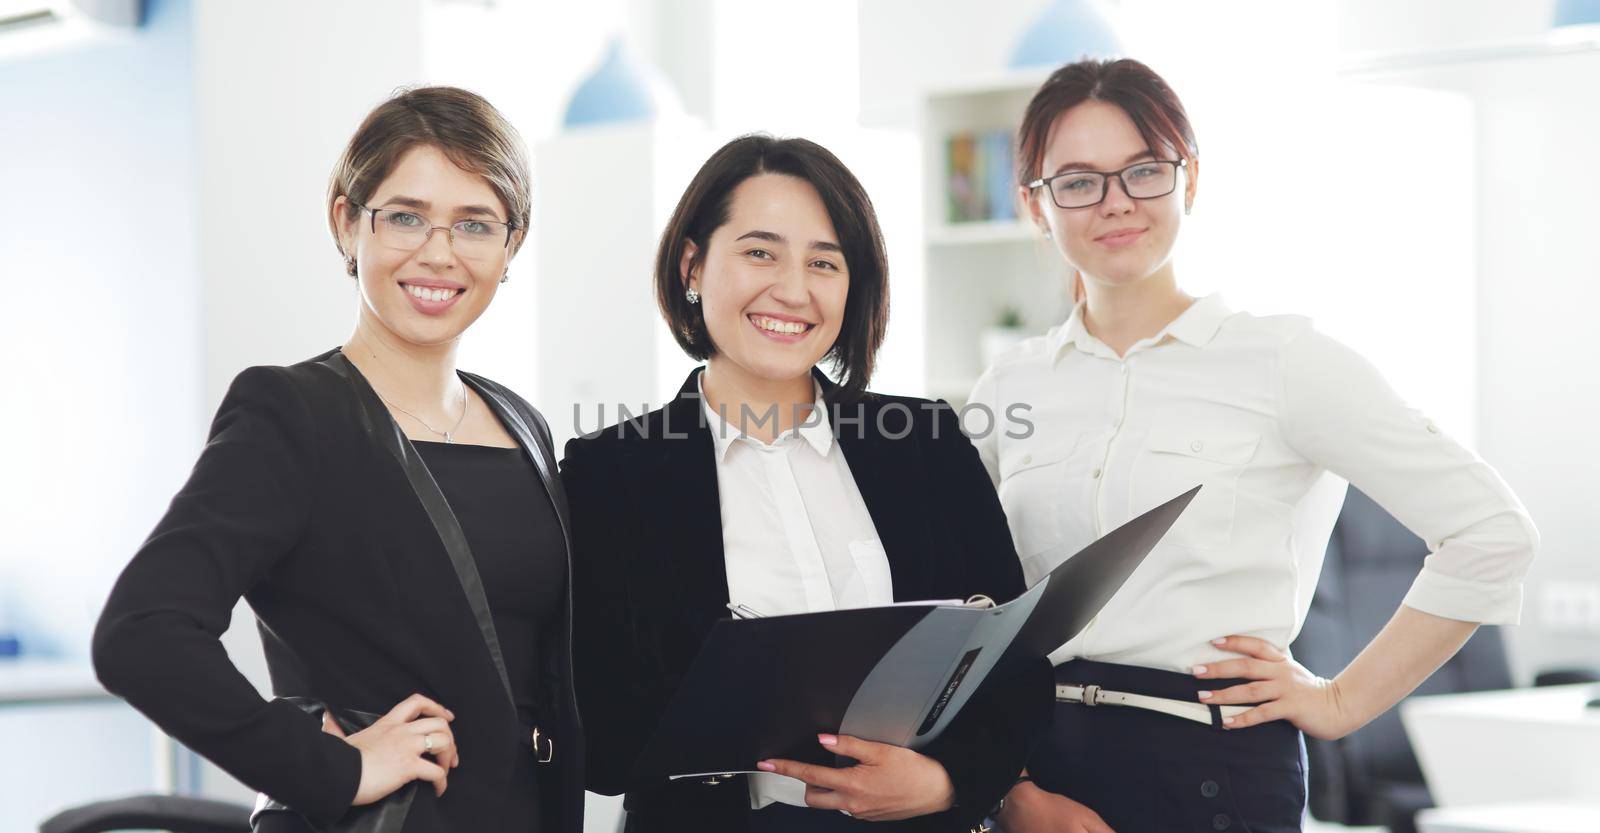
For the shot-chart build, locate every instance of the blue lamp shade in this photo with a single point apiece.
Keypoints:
(1576, 12)
(621, 89)
(1067, 31)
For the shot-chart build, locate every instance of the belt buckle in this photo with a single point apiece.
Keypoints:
(1091, 695)
(718, 779)
(546, 754)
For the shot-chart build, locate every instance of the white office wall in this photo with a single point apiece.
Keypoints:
(102, 382)
(1539, 360)
(280, 88)
(1376, 26)
(1538, 279)
(102, 378)
(911, 45)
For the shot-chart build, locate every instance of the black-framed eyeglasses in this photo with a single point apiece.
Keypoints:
(408, 231)
(1140, 181)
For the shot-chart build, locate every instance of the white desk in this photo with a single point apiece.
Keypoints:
(29, 681)
(77, 743)
(1538, 817)
(1499, 747)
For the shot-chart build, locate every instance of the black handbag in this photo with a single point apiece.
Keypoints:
(387, 815)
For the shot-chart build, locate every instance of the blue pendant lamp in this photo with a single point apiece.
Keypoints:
(621, 89)
(1576, 13)
(1066, 31)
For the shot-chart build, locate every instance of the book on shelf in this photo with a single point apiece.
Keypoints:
(979, 184)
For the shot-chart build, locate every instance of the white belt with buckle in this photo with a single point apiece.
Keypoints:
(1093, 695)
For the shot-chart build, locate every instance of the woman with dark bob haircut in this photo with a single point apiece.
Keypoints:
(396, 525)
(766, 485)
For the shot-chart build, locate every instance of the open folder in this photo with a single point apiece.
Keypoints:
(764, 688)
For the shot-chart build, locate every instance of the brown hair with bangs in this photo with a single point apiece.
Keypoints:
(461, 124)
(704, 208)
(1126, 83)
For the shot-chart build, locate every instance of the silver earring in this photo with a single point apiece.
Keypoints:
(691, 295)
(1048, 235)
(1187, 209)
(506, 276)
(350, 266)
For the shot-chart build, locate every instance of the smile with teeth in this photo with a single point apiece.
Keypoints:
(773, 325)
(428, 293)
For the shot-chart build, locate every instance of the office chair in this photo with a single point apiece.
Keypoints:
(178, 814)
(1372, 776)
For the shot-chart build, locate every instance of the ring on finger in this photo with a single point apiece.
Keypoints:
(427, 744)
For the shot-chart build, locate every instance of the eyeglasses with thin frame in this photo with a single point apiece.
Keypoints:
(1141, 181)
(408, 231)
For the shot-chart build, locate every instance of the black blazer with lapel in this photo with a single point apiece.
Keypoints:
(306, 502)
(650, 581)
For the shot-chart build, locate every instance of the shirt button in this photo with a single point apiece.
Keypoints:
(1124, 370)
(1095, 474)
(1221, 821)
(1026, 459)
(1209, 789)
(1433, 429)
(1196, 446)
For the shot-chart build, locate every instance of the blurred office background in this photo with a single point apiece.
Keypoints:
(1418, 176)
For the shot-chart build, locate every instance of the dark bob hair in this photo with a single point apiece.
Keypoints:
(1126, 83)
(704, 208)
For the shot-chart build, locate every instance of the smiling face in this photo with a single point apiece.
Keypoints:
(1121, 240)
(425, 294)
(772, 280)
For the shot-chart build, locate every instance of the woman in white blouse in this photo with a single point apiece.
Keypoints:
(1145, 392)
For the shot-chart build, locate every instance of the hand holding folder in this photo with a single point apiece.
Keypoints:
(765, 688)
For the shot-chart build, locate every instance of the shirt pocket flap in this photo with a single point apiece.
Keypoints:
(1229, 448)
(872, 563)
(1021, 455)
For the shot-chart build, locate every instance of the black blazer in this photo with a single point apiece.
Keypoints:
(650, 582)
(303, 503)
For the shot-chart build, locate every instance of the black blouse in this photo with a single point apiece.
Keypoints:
(516, 541)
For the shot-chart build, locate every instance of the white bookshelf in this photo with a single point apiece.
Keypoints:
(975, 270)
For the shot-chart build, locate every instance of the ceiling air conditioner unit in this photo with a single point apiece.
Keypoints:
(31, 27)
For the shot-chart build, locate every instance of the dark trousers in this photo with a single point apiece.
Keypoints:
(787, 818)
(1147, 772)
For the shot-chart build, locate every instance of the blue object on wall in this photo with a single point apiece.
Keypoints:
(1067, 31)
(1576, 12)
(619, 90)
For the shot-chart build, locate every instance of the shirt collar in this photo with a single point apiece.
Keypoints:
(814, 429)
(1195, 326)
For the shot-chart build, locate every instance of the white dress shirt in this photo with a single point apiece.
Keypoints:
(796, 535)
(1272, 418)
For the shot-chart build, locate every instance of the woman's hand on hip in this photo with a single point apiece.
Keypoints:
(1030, 809)
(887, 783)
(413, 742)
(1283, 688)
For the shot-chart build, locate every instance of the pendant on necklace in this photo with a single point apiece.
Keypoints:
(448, 439)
